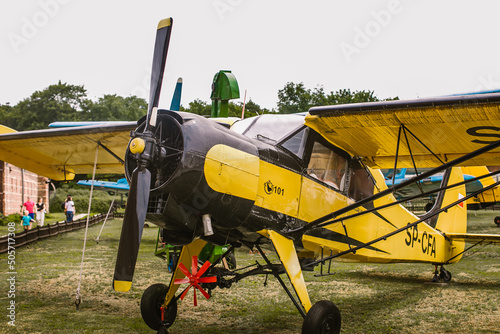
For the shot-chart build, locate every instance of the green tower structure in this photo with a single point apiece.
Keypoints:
(224, 88)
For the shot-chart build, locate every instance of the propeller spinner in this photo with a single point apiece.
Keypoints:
(142, 146)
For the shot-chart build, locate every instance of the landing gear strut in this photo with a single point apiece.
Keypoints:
(444, 276)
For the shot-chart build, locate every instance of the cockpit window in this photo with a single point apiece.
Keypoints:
(327, 166)
(297, 143)
(269, 126)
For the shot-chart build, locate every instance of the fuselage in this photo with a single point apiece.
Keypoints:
(272, 172)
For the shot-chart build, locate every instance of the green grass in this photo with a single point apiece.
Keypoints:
(373, 298)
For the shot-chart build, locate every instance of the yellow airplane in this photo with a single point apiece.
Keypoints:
(308, 185)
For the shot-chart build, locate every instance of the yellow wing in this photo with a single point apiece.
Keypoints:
(60, 153)
(449, 126)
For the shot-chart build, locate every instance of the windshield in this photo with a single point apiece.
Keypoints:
(269, 126)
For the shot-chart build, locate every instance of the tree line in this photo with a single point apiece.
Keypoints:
(65, 102)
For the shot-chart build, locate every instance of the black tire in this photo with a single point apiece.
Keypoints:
(151, 301)
(323, 318)
(444, 275)
(231, 260)
(497, 221)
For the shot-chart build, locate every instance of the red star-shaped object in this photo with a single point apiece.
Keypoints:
(194, 278)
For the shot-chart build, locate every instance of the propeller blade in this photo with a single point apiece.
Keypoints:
(195, 299)
(163, 33)
(133, 224)
(194, 265)
(203, 268)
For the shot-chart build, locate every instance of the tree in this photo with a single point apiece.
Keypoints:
(6, 115)
(60, 102)
(203, 108)
(198, 107)
(117, 108)
(294, 98)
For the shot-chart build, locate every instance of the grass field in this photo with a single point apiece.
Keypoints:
(392, 298)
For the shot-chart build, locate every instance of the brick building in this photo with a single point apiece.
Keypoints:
(16, 185)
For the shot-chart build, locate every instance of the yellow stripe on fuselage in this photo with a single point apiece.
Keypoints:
(231, 171)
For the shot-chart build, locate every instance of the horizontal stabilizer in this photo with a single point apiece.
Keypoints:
(475, 238)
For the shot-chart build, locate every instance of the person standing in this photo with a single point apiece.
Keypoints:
(69, 208)
(40, 212)
(29, 205)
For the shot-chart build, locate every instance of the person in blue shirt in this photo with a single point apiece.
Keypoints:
(26, 221)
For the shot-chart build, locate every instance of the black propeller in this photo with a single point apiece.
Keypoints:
(143, 147)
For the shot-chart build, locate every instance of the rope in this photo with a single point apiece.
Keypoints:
(105, 219)
(78, 299)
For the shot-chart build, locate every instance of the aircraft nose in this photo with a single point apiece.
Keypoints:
(167, 143)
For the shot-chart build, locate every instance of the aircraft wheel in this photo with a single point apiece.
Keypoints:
(151, 301)
(322, 318)
(444, 275)
(497, 221)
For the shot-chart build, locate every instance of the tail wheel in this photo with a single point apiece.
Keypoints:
(151, 302)
(322, 318)
(444, 275)
(497, 221)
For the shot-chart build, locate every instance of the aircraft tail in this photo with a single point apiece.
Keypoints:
(175, 105)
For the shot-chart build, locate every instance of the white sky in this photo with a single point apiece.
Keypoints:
(400, 48)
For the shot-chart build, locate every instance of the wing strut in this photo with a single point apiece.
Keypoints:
(111, 152)
(404, 129)
(342, 219)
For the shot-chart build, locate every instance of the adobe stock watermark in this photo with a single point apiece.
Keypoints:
(11, 274)
(31, 26)
(363, 36)
(487, 83)
(222, 7)
(142, 90)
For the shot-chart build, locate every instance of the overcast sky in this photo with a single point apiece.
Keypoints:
(401, 48)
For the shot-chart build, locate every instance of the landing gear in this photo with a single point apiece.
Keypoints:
(497, 221)
(151, 302)
(444, 276)
(322, 318)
